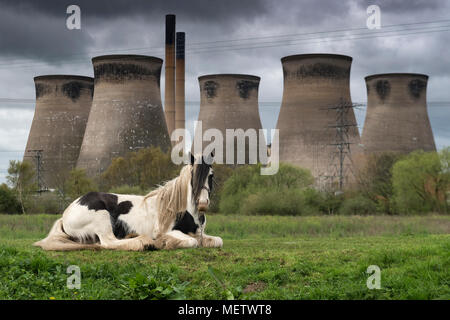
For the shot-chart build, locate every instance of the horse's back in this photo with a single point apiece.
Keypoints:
(96, 211)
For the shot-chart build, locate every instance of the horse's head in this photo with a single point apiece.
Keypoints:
(201, 182)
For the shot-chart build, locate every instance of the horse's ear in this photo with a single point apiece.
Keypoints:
(192, 158)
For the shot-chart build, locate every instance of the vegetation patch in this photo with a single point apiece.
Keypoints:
(264, 257)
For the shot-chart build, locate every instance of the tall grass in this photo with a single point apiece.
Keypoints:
(264, 257)
(26, 226)
(241, 227)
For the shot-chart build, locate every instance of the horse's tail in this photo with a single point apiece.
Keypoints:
(58, 240)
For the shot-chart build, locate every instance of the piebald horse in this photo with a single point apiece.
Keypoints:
(170, 217)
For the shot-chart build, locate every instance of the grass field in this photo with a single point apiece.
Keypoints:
(264, 257)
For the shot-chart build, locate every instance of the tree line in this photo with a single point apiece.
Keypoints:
(387, 183)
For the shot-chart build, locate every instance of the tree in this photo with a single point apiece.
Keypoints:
(247, 191)
(78, 184)
(375, 179)
(145, 168)
(21, 177)
(8, 200)
(221, 173)
(421, 182)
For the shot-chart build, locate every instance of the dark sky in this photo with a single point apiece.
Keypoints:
(35, 41)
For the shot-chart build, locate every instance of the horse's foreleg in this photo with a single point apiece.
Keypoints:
(139, 243)
(175, 239)
(209, 241)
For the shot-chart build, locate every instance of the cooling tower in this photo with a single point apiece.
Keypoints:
(63, 103)
(169, 91)
(180, 86)
(308, 133)
(397, 118)
(126, 112)
(229, 101)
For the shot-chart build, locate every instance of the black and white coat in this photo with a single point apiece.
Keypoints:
(168, 218)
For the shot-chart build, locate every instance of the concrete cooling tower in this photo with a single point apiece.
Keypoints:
(126, 112)
(63, 103)
(397, 118)
(229, 101)
(313, 83)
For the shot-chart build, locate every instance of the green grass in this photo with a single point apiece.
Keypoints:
(264, 257)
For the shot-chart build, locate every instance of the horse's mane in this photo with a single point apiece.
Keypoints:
(171, 198)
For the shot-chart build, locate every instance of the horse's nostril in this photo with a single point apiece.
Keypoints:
(203, 205)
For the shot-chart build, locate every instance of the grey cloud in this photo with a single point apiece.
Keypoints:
(198, 9)
(38, 31)
(404, 7)
(30, 35)
(309, 13)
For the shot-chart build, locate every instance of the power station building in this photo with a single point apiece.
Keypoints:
(229, 101)
(126, 112)
(397, 118)
(86, 122)
(63, 103)
(316, 88)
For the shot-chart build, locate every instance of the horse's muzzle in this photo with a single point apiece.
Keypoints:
(203, 206)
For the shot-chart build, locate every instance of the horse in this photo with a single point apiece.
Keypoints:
(170, 217)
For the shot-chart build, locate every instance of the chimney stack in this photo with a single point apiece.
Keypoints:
(179, 88)
(169, 94)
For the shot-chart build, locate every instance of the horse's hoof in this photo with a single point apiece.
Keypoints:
(150, 247)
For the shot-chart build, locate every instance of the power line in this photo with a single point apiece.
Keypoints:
(206, 43)
(17, 100)
(276, 43)
(36, 155)
(326, 40)
(361, 105)
(329, 31)
(340, 148)
(372, 34)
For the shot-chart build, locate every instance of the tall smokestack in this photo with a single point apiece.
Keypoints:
(63, 103)
(179, 88)
(397, 118)
(169, 94)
